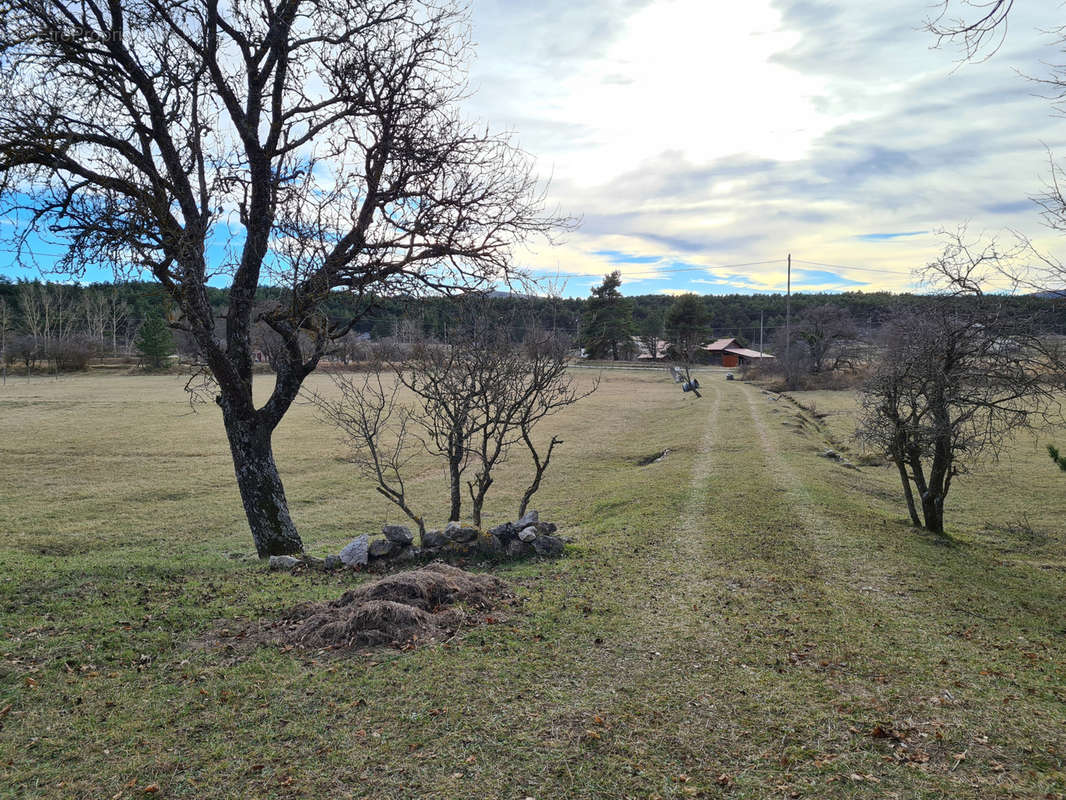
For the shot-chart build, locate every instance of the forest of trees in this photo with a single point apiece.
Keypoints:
(67, 325)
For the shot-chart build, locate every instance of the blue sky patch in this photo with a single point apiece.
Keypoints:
(883, 237)
(625, 258)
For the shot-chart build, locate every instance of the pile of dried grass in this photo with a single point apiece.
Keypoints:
(407, 608)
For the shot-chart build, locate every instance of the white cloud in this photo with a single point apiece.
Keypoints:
(694, 132)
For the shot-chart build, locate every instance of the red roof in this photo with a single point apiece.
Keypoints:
(721, 344)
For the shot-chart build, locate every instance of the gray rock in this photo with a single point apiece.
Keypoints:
(284, 562)
(382, 548)
(434, 539)
(456, 533)
(546, 527)
(550, 546)
(489, 544)
(530, 518)
(516, 548)
(833, 454)
(407, 554)
(400, 534)
(314, 563)
(504, 533)
(355, 553)
(528, 534)
(333, 562)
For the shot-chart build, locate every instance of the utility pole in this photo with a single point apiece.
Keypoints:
(760, 333)
(788, 314)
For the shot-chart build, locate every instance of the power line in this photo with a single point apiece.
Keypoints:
(670, 270)
(846, 266)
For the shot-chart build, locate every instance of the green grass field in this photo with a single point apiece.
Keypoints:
(744, 619)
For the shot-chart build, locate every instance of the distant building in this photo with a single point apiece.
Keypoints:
(644, 353)
(729, 353)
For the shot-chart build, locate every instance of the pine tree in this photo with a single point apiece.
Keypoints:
(154, 342)
(686, 325)
(607, 324)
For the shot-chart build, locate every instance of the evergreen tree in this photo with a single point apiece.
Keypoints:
(154, 342)
(686, 325)
(607, 324)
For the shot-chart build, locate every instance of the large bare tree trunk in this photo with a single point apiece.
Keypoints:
(456, 487)
(260, 485)
(933, 511)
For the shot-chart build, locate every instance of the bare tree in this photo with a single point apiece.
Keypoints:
(829, 333)
(974, 264)
(24, 350)
(375, 426)
(793, 356)
(978, 33)
(952, 384)
(324, 133)
(32, 309)
(483, 393)
(94, 311)
(5, 327)
(446, 390)
(472, 401)
(118, 312)
(520, 386)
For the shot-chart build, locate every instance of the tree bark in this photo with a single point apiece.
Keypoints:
(539, 466)
(260, 485)
(933, 511)
(908, 493)
(455, 479)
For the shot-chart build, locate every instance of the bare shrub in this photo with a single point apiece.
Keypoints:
(953, 383)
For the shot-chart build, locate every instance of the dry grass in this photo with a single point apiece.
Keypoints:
(410, 608)
(742, 619)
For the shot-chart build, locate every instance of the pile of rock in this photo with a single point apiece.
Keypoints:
(525, 537)
(833, 455)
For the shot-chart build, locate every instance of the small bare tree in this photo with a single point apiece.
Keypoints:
(478, 394)
(952, 384)
(375, 426)
(522, 385)
(472, 400)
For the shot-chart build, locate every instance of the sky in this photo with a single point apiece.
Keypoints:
(700, 143)
(690, 136)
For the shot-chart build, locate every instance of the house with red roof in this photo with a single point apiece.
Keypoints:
(729, 353)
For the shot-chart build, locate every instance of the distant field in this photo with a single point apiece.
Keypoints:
(744, 619)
